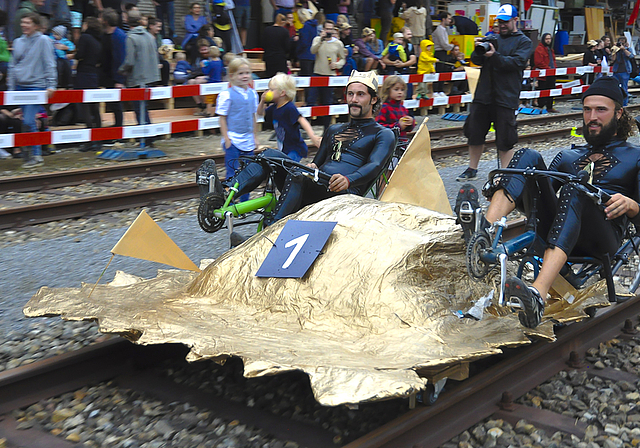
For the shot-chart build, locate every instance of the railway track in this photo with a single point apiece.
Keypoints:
(486, 393)
(21, 216)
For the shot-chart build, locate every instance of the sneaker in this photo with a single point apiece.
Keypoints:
(526, 299)
(468, 174)
(203, 179)
(4, 154)
(32, 163)
(465, 209)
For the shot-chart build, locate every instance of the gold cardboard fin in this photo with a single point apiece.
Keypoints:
(147, 241)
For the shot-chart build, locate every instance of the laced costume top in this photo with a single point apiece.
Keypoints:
(357, 150)
(614, 167)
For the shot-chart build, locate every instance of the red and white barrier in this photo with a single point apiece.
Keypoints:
(156, 129)
(17, 98)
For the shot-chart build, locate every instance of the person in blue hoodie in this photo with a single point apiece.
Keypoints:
(307, 33)
(32, 67)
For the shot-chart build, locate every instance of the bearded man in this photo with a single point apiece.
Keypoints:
(544, 58)
(569, 221)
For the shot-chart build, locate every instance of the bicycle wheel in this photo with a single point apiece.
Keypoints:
(478, 243)
(207, 220)
(628, 275)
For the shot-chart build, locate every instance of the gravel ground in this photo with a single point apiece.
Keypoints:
(42, 255)
(106, 415)
(610, 409)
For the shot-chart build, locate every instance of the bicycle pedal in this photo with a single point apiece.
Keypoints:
(466, 213)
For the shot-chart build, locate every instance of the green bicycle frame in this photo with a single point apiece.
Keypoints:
(266, 202)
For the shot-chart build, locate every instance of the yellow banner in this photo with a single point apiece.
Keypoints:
(147, 241)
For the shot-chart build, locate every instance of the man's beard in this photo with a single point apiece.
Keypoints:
(604, 137)
(361, 112)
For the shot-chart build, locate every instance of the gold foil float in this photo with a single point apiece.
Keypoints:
(377, 305)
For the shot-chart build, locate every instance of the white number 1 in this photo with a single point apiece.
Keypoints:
(298, 242)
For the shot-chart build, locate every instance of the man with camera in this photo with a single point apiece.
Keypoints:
(330, 58)
(503, 59)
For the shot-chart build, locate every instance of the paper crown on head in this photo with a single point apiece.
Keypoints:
(369, 79)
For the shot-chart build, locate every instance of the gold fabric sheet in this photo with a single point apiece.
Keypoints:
(377, 305)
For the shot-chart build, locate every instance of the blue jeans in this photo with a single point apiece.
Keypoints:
(167, 8)
(624, 80)
(232, 163)
(147, 120)
(29, 112)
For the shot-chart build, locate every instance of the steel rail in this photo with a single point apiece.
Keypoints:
(476, 398)
(13, 217)
(78, 208)
(128, 365)
(58, 179)
(460, 148)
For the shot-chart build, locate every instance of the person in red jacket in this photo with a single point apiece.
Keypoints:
(545, 58)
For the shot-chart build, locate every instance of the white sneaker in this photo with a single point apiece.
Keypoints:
(4, 154)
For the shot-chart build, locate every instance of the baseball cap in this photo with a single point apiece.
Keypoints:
(369, 79)
(507, 12)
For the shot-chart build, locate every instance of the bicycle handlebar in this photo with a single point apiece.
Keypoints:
(598, 195)
(319, 177)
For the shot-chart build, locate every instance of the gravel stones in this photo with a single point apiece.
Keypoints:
(105, 415)
(287, 395)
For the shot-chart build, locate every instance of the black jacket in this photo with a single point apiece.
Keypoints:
(362, 157)
(501, 75)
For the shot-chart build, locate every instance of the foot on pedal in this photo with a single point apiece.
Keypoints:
(526, 299)
(465, 209)
(204, 178)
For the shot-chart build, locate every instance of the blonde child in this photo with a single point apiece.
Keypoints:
(237, 107)
(213, 68)
(393, 114)
(286, 117)
(426, 64)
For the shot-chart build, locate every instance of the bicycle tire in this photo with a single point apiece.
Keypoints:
(635, 282)
(477, 268)
(206, 219)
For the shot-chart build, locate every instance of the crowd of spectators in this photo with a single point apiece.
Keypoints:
(106, 43)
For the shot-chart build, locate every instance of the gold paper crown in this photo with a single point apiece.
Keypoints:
(369, 79)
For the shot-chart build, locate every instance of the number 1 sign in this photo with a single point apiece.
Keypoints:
(296, 248)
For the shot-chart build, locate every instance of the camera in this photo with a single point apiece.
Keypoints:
(483, 46)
